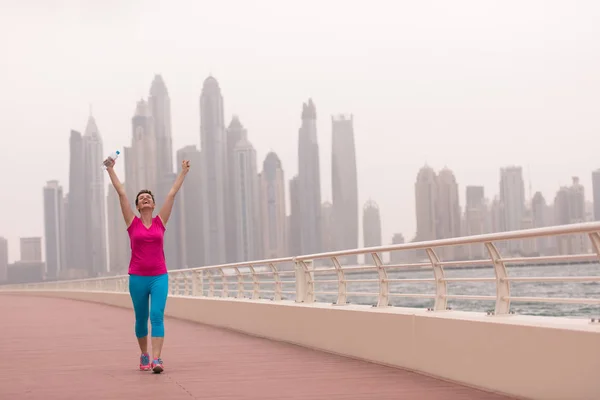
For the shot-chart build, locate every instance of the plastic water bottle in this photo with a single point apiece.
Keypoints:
(113, 155)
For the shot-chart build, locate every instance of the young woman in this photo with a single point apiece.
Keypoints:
(148, 279)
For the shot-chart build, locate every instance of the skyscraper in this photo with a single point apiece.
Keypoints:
(118, 239)
(31, 249)
(235, 133)
(272, 208)
(3, 259)
(214, 171)
(95, 205)
(327, 227)
(189, 202)
(77, 239)
(160, 107)
(344, 186)
(448, 212)
(426, 199)
(294, 226)
(309, 181)
(475, 219)
(596, 193)
(512, 197)
(54, 230)
(371, 226)
(141, 170)
(247, 213)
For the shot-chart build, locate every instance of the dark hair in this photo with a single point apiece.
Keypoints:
(142, 192)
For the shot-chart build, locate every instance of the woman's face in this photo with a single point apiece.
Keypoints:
(145, 201)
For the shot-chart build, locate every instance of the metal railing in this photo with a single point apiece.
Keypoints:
(295, 278)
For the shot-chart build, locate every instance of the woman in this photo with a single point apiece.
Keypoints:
(148, 279)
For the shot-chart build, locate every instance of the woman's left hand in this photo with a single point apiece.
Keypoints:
(185, 166)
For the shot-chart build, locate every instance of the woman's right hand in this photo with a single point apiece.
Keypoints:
(109, 163)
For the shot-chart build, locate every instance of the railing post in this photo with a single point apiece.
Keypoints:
(305, 292)
(240, 283)
(341, 299)
(300, 282)
(502, 285)
(197, 283)
(384, 286)
(277, 294)
(255, 284)
(441, 289)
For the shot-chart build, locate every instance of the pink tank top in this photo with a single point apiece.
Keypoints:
(147, 252)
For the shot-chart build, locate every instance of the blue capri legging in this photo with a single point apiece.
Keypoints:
(153, 288)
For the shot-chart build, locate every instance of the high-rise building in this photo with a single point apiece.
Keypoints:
(426, 194)
(596, 193)
(189, 202)
(246, 195)
(448, 214)
(540, 217)
(54, 229)
(272, 207)
(327, 228)
(344, 186)
(512, 197)
(3, 260)
(371, 226)
(159, 103)
(214, 172)
(398, 256)
(118, 239)
(294, 226)
(77, 218)
(475, 219)
(141, 171)
(235, 133)
(309, 181)
(96, 201)
(31, 249)
(569, 208)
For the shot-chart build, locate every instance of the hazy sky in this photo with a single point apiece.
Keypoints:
(471, 85)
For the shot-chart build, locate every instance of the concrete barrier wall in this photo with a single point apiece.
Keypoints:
(526, 357)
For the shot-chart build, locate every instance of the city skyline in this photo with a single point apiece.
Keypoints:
(420, 92)
(165, 160)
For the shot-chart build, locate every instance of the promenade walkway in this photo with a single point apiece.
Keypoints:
(64, 349)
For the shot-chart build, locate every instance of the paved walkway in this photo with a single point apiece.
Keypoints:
(64, 349)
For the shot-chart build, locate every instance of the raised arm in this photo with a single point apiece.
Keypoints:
(165, 210)
(125, 206)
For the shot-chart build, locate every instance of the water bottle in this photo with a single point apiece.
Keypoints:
(113, 155)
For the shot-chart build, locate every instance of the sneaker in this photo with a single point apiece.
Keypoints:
(145, 362)
(157, 366)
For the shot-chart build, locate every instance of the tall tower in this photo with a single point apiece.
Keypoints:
(118, 240)
(189, 202)
(371, 226)
(512, 198)
(142, 167)
(235, 133)
(426, 195)
(295, 219)
(77, 233)
(247, 214)
(596, 193)
(54, 230)
(475, 219)
(214, 172)
(160, 108)
(272, 208)
(309, 181)
(3, 259)
(344, 186)
(96, 209)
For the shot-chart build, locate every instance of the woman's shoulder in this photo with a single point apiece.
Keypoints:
(158, 220)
